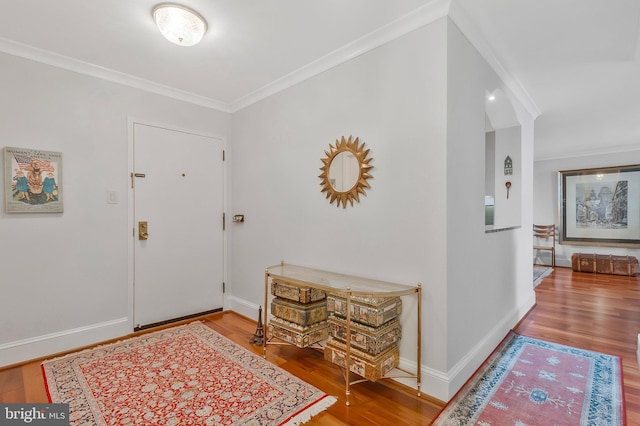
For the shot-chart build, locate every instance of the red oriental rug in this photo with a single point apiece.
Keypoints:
(187, 375)
(532, 382)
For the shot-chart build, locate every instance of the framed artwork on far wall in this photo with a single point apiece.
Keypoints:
(33, 181)
(600, 207)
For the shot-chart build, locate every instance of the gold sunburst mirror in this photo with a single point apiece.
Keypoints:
(345, 171)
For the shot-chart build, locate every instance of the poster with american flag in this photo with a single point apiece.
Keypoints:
(33, 181)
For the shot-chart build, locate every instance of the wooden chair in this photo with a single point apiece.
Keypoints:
(544, 238)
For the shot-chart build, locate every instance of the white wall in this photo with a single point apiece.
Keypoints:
(545, 209)
(394, 99)
(489, 274)
(422, 220)
(490, 164)
(508, 211)
(64, 276)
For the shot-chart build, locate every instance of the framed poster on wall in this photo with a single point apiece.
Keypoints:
(33, 181)
(600, 206)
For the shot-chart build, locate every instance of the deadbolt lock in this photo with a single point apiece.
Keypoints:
(143, 233)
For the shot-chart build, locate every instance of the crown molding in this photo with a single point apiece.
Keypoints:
(462, 19)
(619, 149)
(60, 61)
(414, 20)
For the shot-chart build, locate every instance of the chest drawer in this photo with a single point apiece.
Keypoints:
(372, 340)
(373, 311)
(285, 290)
(299, 313)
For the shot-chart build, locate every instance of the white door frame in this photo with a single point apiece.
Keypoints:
(131, 121)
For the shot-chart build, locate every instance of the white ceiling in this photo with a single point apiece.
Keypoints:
(578, 60)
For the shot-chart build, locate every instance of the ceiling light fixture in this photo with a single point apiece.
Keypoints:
(179, 24)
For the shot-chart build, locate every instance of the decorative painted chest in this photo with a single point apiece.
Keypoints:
(304, 314)
(375, 330)
(371, 367)
(371, 340)
(373, 311)
(309, 307)
(296, 334)
(299, 314)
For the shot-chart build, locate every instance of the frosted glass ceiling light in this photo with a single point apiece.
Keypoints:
(179, 24)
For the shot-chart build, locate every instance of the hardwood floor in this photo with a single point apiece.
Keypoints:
(594, 312)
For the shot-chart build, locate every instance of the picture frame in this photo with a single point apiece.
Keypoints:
(33, 181)
(600, 206)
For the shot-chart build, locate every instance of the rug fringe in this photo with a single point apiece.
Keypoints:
(307, 414)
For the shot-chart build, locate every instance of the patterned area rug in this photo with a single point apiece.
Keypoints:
(183, 375)
(540, 273)
(532, 382)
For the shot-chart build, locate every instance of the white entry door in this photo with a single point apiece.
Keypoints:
(178, 192)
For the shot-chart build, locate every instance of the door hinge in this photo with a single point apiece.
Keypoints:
(224, 287)
(224, 216)
(223, 154)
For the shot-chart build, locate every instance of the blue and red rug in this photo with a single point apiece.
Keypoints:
(540, 273)
(532, 382)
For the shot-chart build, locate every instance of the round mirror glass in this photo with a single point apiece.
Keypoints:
(344, 171)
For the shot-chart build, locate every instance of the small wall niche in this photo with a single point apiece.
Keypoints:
(503, 178)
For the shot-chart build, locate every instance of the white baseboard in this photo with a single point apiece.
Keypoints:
(40, 346)
(444, 386)
(432, 382)
(464, 369)
(241, 306)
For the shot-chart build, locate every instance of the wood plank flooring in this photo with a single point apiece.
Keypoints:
(594, 312)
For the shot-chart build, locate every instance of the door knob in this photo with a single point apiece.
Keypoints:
(143, 234)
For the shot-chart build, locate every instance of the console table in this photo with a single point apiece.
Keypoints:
(346, 287)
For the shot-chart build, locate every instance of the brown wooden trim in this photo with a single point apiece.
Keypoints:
(175, 320)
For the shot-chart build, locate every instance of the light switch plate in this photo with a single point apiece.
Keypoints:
(112, 197)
